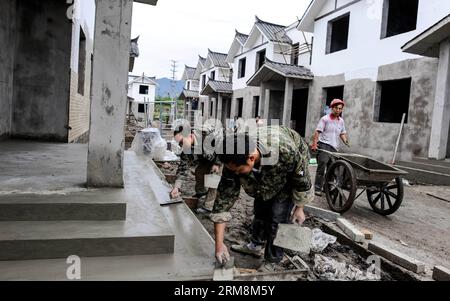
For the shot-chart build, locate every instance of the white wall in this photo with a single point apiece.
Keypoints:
(222, 74)
(140, 98)
(193, 85)
(281, 53)
(366, 51)
(84, 16)
(250, 66)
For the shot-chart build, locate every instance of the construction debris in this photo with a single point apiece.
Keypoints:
(330, 269)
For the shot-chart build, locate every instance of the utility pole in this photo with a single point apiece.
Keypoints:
(173, 87)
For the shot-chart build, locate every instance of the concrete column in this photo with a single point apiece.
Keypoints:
(262, 97)
(109, 92)
(441, 110)
(233, 110)
(207, 103)
(287, 107)
(214, 107)
(219, 108)
(189, 111)
(266, 105)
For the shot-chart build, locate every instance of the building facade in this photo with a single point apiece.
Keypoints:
(357, 56)
(142, 95)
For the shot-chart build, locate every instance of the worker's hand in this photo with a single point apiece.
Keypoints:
(314, 147)
(222, 254)
(346, 142)
(175, 193)
(298, 216)
(215, 169)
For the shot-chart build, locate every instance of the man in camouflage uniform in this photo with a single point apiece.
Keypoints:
(273, 170)
(193, 154)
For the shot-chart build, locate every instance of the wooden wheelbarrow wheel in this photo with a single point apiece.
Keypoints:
(386, 199)
(340, 186)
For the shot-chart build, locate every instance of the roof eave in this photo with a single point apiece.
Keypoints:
(307, 21)
(428, 42)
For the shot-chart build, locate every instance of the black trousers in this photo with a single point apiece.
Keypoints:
(268, 214)
(324, 161)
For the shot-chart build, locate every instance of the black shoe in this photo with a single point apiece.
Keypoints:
(199, 194)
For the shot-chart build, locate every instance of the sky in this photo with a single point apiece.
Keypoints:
(181, 30)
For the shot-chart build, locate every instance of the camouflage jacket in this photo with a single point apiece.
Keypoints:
(283, 175)
(198, 154)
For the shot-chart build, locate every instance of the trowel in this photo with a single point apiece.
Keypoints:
(172, 201)
(293, 237)
(224, 271)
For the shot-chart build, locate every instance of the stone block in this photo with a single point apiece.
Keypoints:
(397, 257)
(441, 273)
(350, 230)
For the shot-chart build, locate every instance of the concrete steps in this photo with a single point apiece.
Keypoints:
(426, 171)
(47, 240)
(93, 205)
(57, 223)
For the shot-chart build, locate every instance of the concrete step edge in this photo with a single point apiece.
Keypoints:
(425, 166)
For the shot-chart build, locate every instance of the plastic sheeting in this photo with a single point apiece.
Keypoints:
(148, 142)
(320, 240)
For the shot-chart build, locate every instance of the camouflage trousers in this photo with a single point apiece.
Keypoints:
(203, 168)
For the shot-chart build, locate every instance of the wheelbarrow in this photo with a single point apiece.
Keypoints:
(349, 172)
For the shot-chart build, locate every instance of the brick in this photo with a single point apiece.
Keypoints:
(293, 237)
(441, 273)
(367, 234)
(397, 257)
(350, 230)
(223, 274)
(322, 213)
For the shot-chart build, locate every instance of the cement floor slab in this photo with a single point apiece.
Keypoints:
(28, 166)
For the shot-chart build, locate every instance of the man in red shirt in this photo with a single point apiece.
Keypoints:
(330, 129)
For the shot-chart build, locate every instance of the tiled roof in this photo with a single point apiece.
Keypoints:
(290, 70)
(190, 71)
(218, 87)
(198, 70)
(242, 38)
(278, 71)
(188, 94)
(274, 32)
(218, 59)
(202, 60)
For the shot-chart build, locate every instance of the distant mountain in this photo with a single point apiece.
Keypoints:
(165, 87)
